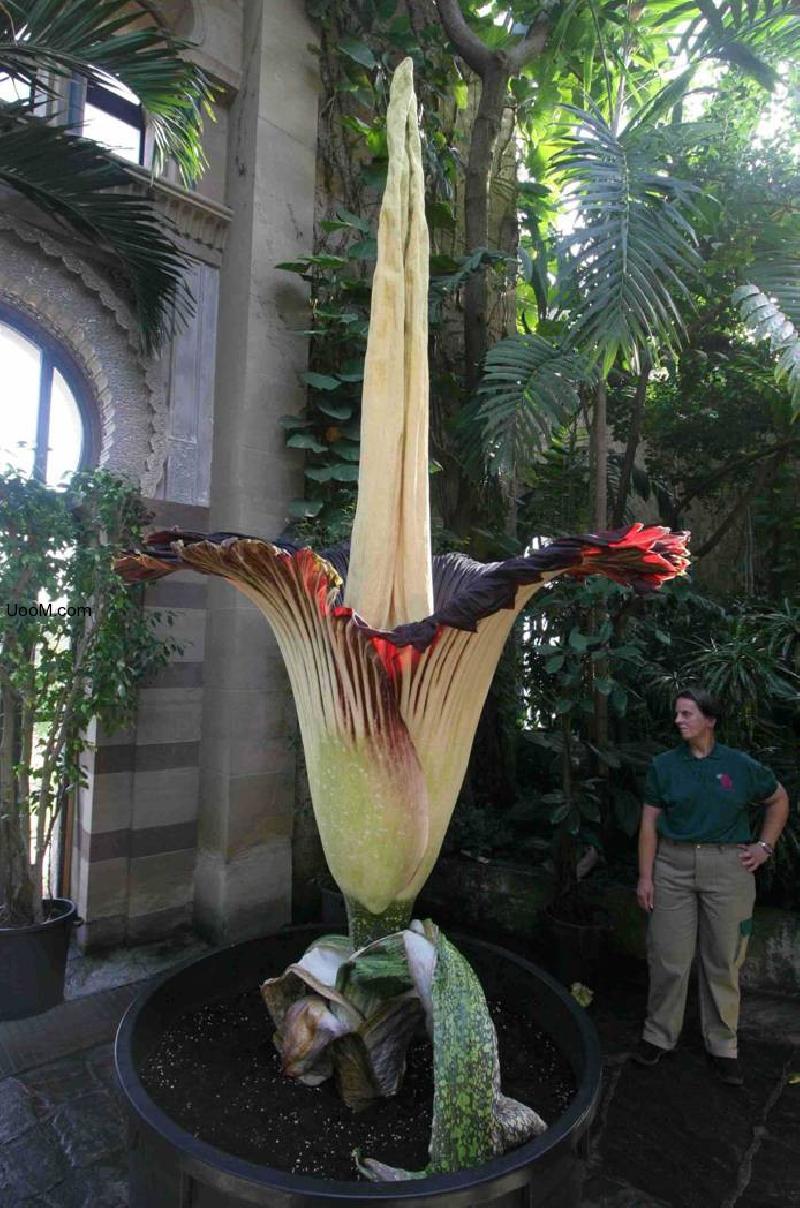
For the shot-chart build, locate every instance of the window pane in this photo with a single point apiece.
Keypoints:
(13, 90)
(19, 366)
(119, 88)
(120, 137)
(66, 432)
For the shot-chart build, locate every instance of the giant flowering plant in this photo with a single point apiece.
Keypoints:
(390, 654)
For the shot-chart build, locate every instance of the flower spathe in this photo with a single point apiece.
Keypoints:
(388, 716)
(389, 675)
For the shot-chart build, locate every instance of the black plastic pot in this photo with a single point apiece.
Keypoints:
(33, 961)
(172, 1169)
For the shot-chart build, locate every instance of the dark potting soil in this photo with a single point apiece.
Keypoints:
(216, 1073)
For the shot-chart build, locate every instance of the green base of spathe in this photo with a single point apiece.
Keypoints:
(364, 927)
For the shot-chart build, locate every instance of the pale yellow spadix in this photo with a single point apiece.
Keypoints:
(389, 582)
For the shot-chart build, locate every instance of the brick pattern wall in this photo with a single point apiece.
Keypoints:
(136, 827)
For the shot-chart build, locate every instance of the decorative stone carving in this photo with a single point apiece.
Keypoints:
(201, 224)
(47, 280)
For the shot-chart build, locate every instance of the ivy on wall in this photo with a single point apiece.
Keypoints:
(360, 45)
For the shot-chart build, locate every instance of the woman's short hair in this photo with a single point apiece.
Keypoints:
(708, 705)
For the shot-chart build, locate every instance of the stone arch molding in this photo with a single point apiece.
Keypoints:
(49, 283)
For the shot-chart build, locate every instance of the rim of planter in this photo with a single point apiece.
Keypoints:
(69, 913)
(199, 1153)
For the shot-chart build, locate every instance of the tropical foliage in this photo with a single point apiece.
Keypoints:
(74, 646)
(653, 369)
(46, 46)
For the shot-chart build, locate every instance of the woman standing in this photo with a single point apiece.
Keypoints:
(696, 866)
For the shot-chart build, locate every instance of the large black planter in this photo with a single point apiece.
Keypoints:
(33, 961)
(172, 1169)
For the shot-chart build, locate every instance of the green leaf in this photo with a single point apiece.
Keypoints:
(529, 388)
(631, 251)
(319, 473)
(579, 641)
(603, 685)
(619, 699)
(305, 509)
(321, 381)
(345, 220)
(304, 440)
(359, 52)
(295, 421)
(554, 664)
(460, 93)
(770, 308)
(440, 216)
(344, 473)
(346, 451)
(560, 812)
(631, 654)
(365, 249)
(335, 410)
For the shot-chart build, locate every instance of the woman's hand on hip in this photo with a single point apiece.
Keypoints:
(752, 856)
(644, 893)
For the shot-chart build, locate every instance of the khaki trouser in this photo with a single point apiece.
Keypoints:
(703, 902)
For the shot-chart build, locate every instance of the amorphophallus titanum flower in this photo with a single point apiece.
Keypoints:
(389, 679)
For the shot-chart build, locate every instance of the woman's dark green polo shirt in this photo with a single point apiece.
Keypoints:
(706, 800)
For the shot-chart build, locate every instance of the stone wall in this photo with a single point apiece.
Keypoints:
(187, 817)
(136, 826)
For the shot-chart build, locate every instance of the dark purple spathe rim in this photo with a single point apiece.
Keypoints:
(199, 1153)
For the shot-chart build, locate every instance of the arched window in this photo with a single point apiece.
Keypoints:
(45, 427)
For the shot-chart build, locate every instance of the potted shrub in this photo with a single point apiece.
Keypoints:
(390, 654)
(74, 645)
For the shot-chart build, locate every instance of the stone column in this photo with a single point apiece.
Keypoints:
(243, 878)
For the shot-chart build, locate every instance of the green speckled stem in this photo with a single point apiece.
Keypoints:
(464, 1055)
(364, 927)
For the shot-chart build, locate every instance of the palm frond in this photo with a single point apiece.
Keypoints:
(97, 39)
(70, 178)
(632, 244)
(529, 386)
(751, 38)
(769, 304)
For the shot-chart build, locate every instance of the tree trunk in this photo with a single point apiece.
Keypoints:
(17, 905)
(566, 849)
(599, 488)
(632, 445)
(494, 84)
(598, 458)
